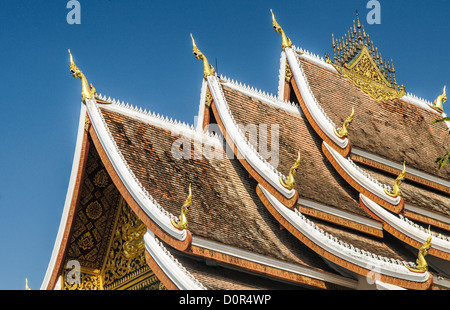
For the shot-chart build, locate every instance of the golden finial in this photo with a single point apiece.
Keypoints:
(87, 91)
(421, 263)
(289, 181)
(26, 285)
(440, 100)
(285, 41)
(343, 131)
(207, 68)
(182, 221)
(398, 181)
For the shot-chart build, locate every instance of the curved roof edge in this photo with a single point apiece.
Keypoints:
(51, 275)
(387, 270)
(168, 270)
(362, 181)
(141, 202)
(406, 230)
(315, 114)
(258, 167)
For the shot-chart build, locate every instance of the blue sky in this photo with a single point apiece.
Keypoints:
(141, 52)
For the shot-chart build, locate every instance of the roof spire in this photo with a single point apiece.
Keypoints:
(207, 68)
(285, 41)
(87, 91)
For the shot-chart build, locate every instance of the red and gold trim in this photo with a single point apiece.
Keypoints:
(159, 273)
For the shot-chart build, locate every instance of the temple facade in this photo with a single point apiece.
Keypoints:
(329, 184)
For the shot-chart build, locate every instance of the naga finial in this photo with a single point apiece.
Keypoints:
(421, 263)
(182, 221)
(285, 41)
(289, 181)
(26, 285)
(207, 68)
(440, 100)
(343, 131)
(398, 181)
(87, 90)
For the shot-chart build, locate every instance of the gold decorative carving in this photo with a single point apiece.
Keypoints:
(287, 73)
(208, 98)
(356, 58)
(343, 131)
(440, 100)
(87, 90)
(94, 210)
(182, 221)
(398, 181)
(87, 280)
(86, 242)
(421, 263)
(285, 41)
(289, 181)
(207, 68)
(125, 266)
(101, 179)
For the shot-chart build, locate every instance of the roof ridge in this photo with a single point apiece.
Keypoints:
(252, 91)
(173, 125)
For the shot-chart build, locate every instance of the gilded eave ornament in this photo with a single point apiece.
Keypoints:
(285, 41)
(343, 131)
(289, 181)
(398, 181)
(207, 68)
(440, 100)
(421, 263)
(356, 58)
(182, 222)
(87, 90)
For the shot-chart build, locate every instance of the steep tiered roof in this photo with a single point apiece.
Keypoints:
(281, 197)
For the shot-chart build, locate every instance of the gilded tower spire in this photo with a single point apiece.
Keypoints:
(285, 41)
(207, 68)
(87, 91)
(356, 58)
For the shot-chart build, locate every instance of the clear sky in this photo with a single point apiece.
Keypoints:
(140, 52)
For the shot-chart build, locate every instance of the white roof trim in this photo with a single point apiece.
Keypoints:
(69, 197)
(362, 178)
(274, 263)
(383, 265)
(340, 213)
(314, 108)
(406, 226)
(149, 205)
(249, 153)
(262, 96)
(410, 98)
(394, 165)
(173, 269)
(281, 76)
